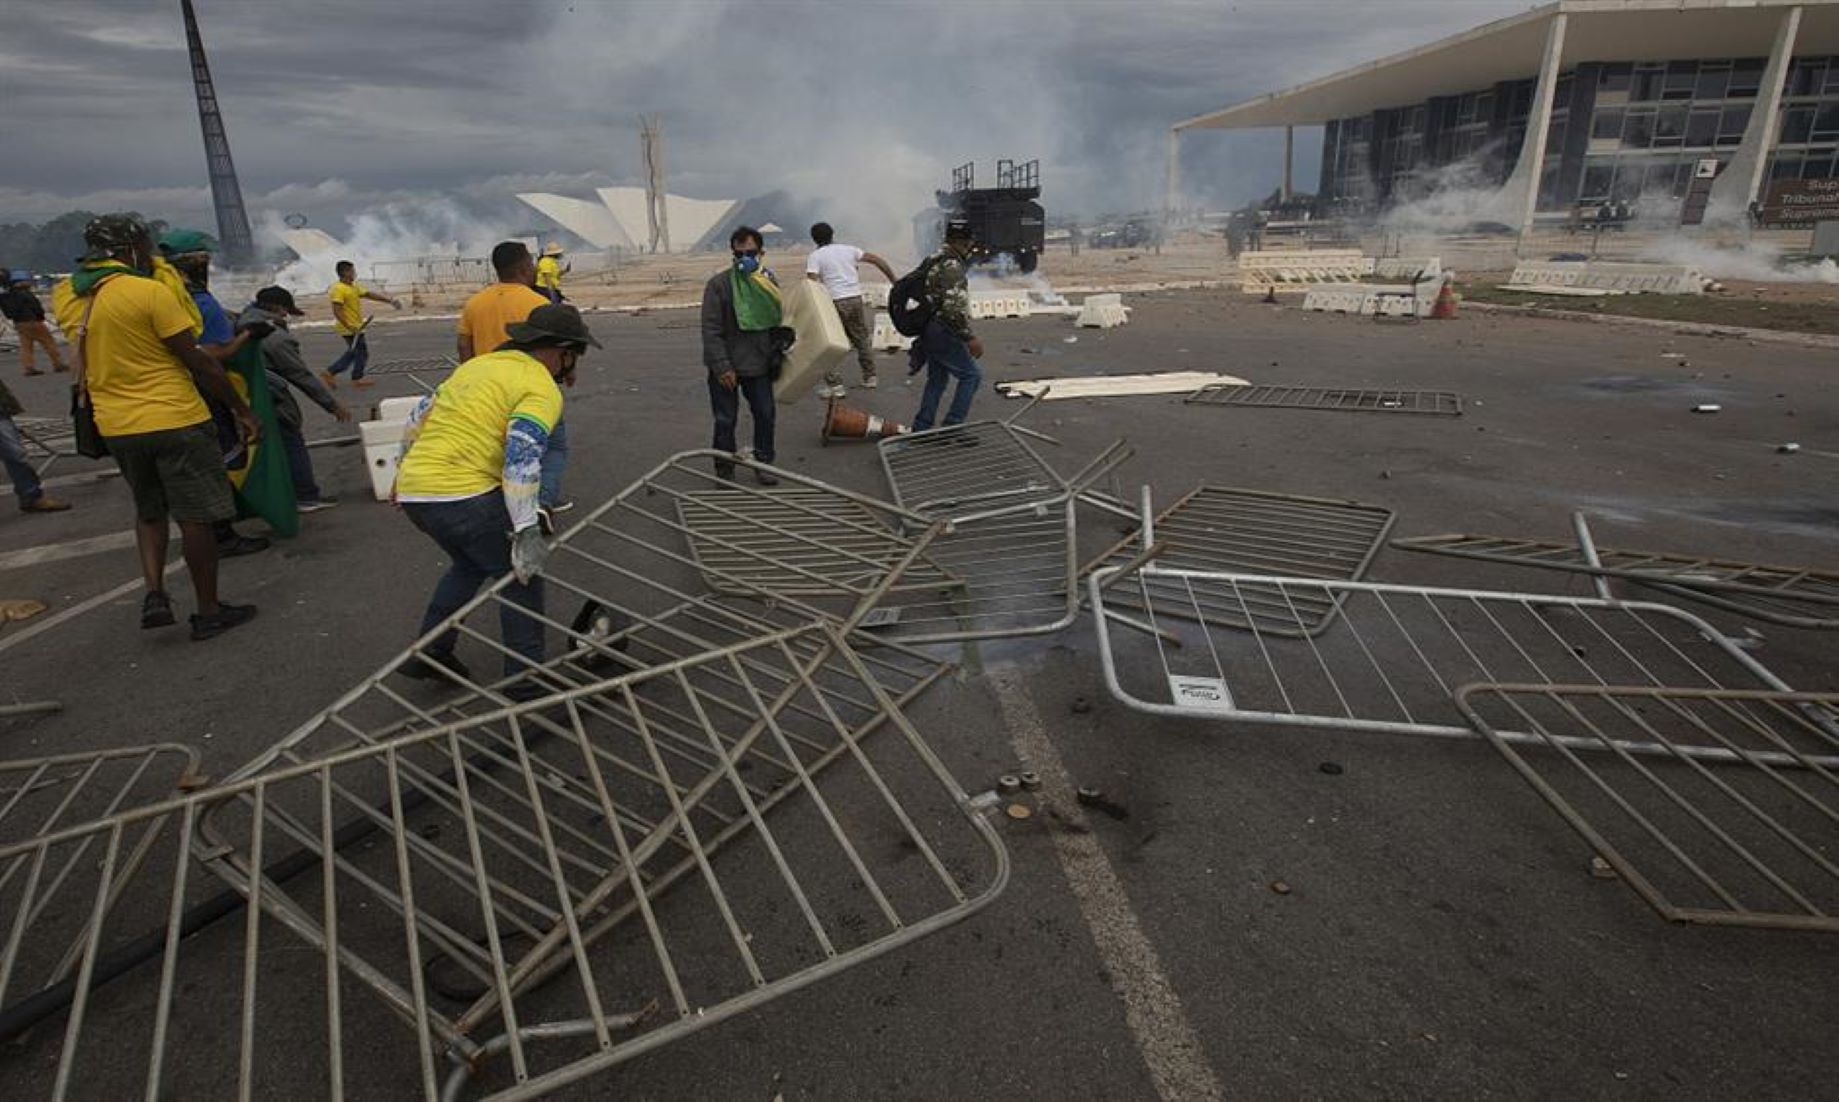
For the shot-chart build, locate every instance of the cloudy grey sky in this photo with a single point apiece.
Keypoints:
(340, 105)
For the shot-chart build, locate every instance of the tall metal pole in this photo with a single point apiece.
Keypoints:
(226, 195)
(657, 209)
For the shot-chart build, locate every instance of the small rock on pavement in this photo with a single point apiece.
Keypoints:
(1332, 768)
(1019, 811)
(1081, 705)
(1280, 887)
(1787, 449)
(1602, 869)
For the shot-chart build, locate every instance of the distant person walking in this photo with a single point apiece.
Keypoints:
(21, 307)
(549, 272)
(468, 479)
(485, 323)
(741, 306)
(347, 296)
(142, 372)
(286, 367)
(26, 486)
(834, 265)
(947, 345)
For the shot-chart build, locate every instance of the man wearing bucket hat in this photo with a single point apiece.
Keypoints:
(142, 372)
(468, 478)
(550, 270)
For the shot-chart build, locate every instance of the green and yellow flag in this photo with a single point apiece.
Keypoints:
(263, 484)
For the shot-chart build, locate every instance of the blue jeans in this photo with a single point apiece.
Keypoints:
(947, 357)
(726, 404)
(356, 357)
(299, 461)
(555, 461)
(476, 534)
(13, 455)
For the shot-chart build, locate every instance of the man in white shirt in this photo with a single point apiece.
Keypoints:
(834, 266)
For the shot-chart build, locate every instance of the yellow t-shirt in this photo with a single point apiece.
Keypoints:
(488, 313)
(347, 307)
(549, 273)
(459, 451)
(135, 382)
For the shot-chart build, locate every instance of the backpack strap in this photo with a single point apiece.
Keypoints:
(79, 351)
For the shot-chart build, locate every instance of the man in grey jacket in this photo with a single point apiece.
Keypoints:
(741, 308)
(286, 367)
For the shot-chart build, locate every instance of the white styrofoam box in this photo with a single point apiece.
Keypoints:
(1103, 312)
(822, 344)
(397, 409)
(888, 338)
(381, 440)
(1669, 279)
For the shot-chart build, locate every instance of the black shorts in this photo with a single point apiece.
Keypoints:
(175, 474)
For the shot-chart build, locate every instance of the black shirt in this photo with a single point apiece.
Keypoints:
(19, 304)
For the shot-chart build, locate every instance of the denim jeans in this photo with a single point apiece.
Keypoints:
(947, 358)
(476, 534)
(13, 455)
(356, 357)
(555, 461)
(299, 461)
(726, 404)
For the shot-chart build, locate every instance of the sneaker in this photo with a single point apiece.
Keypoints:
(870, 382)
(363, 382)
(428, 667)
(323, 501)
(44, 503)
(241, 545)
(226, 617)
(156, 610)
(765, 478)
(329, 379)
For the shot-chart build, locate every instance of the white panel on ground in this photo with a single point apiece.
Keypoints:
(1118, 386)
(591, 222)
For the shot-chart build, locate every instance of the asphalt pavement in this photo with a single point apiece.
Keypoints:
(1415, 922)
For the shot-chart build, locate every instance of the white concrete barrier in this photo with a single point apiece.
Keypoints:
(1368, 300)
(876, 295)
(1103, 312)
(886, 337)
(1606, 275)
(1295, 270)
(1418, 268)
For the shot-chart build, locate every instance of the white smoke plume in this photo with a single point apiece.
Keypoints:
(1750, 261)
(397, 231)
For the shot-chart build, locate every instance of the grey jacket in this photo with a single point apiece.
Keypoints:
(725, 345)
(286, 366)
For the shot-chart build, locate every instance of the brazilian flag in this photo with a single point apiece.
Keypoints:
(264, 486)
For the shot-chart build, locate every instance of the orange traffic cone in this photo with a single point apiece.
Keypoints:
(843, 422)
(1445, 306)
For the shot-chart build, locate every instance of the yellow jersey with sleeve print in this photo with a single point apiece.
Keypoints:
(347, 307)
(458, 450)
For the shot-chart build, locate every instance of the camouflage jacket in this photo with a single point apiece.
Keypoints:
(948, 290)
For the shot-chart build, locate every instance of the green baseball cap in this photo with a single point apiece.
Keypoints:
(178, 241)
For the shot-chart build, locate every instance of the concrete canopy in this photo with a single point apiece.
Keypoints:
(1510, 49)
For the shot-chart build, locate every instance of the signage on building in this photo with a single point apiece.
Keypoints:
(1801, 202)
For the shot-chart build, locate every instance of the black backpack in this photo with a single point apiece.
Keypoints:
(909, 307)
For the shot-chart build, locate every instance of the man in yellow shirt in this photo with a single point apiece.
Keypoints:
(484, 324)
(468, 477)
(348, 318)
(549, 272)
(141, 371)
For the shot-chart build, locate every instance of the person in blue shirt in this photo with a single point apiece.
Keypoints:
(189, 252)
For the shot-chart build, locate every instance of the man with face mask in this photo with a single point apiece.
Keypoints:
(468, 478)
(741, 308)
(142, 373)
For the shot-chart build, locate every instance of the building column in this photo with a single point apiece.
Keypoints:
(1174, 194)
(1741, 182)
(1520, 194)
(1289, 159)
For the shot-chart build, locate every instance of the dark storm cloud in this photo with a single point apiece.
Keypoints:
(338, 105)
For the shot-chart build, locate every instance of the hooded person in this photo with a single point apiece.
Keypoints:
(468, 477)
(273, 308)
(141, 372)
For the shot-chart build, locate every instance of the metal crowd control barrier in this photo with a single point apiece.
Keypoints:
(1790, 595)
(1732, 846)
(550, 888)
(1344, 399)
(1011, 544)
(52, 437)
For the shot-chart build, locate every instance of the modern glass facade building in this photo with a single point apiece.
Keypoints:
(1580, 103)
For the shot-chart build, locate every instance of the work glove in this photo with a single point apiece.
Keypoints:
(529, 552)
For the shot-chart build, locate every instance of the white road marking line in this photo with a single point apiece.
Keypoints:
(1152, 1009)
(12, 637)
(55, 552)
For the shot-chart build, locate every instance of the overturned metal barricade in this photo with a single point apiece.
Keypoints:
(51, 438)
(1010, 548)
(1755, 846)
(1444, 403)
(1226, 528)
(545, 890)
(1398, 654)
(1790, 595)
